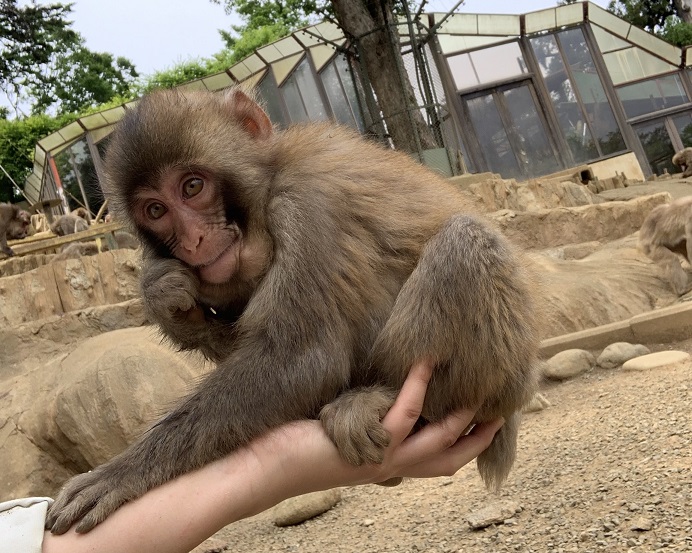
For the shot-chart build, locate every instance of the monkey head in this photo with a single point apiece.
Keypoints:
(190, 172)
(19, 226)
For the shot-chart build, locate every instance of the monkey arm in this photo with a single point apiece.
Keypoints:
(286, 364)
(170, 291)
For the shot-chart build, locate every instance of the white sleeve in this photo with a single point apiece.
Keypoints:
(21, 524)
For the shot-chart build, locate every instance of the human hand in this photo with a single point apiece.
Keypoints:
(299, 458)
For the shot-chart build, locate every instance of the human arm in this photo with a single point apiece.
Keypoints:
(293, 459)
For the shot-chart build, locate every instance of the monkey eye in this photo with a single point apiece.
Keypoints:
(156, 210)
(192, 187)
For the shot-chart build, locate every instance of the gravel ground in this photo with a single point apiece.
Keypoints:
(612, 453)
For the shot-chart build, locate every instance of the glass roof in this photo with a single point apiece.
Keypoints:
(457, 33)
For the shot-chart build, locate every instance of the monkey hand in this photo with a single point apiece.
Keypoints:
(8, 251)
(170, 290)
(353, 421)
(89, 498)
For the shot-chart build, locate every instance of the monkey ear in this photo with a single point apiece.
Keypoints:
(250, 115)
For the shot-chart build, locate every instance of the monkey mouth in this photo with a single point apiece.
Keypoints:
(223, 266)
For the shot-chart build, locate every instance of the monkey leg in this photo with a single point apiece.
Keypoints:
(687, 171)
(353, 422)
(467, 306)
(672, 268)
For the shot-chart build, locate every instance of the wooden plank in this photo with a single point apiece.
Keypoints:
(27, 246)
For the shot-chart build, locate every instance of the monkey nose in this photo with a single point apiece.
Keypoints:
(192, 241)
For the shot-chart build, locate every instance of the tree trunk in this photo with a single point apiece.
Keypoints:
(683, 8)
(380, 55)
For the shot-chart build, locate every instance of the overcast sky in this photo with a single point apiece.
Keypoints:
(157, 34)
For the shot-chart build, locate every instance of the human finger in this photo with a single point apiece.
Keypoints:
(404, 414)
(448, 461)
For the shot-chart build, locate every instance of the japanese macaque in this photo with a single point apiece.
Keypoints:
(683, 159)
(665, 235)
(314, 268)
(75, 221)
(14, 225)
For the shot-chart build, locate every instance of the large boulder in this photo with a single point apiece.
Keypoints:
(82, 408)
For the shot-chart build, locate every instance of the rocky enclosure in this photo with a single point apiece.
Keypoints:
(81, 375)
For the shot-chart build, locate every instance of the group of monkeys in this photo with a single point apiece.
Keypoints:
(314, 267)
(16, 224)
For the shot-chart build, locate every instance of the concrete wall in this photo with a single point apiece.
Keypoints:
(626, 163)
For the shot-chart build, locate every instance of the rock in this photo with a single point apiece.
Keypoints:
(82, 408)
(642, 524)
(616, 354)
(495, 513)
(568, 364)
(550, 228)
(656, 360)
(211, 545)
(304, 507)
(537, 403)
(580, 251)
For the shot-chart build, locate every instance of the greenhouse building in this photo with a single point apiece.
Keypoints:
(518, 95)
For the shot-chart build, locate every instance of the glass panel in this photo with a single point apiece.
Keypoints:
(492, 136)
(607, 42)
(271, 101)
(588, 83)
(657, 146)
(301, 95)
(540, 21)
(294, 103)
(536, 154)
(572, 119)
(309, 92)
(683, 124)
(488, 65)
(653, 95)
(76, 167)
(652, 43)
(633, 64)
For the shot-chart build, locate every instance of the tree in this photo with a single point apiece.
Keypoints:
(30, 37)
(17, 142)
(368, 23)
(85, 79)
(45, 64)
(671, 20)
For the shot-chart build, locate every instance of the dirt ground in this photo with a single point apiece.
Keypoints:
(612, 453)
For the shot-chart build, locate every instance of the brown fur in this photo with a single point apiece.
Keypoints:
(68, 224)
(365, 262)
(666, 234)
(14, 225)
(683, 159)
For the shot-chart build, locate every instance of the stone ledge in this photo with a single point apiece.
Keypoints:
(661, 325)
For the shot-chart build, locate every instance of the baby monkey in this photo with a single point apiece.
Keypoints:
(314, 267)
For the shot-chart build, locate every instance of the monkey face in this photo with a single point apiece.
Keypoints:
(185, 214)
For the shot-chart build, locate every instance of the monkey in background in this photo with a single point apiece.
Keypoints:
(314, 268)
(683, 159)
(73, 222)
(14, 225)
(665, 235)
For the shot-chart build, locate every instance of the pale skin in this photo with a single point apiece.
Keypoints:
(291, 460)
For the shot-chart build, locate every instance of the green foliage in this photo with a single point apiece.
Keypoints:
(650, 15)
(45, 65)
(250, 39)
(31, 37)
(677, 32)
(265, 21)
(83, 79)
(17, 142)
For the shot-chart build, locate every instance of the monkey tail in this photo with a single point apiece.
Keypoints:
(496, 461)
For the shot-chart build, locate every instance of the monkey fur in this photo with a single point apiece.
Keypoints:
(665, 235)
(69, 224)
(14, 225)
(683, 159)
(353, 263)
